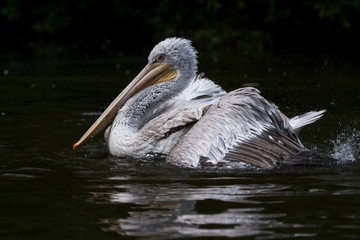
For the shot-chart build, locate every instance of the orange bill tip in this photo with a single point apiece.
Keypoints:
(75, 146)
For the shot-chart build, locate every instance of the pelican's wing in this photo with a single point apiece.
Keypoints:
(175, 116)
(243, 127)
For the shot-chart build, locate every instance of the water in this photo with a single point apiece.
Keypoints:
(49, 192)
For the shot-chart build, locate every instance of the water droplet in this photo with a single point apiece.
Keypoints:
(347, 145)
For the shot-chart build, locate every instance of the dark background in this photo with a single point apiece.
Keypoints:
(109, 28)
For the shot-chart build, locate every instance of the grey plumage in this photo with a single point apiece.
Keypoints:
(246, 128)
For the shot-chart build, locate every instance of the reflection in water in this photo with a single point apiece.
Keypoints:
(168, 225)
(180, 210)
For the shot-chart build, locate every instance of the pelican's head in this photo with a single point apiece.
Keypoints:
(178, 54)
(171, 60)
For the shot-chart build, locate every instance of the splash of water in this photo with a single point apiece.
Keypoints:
(346, 146)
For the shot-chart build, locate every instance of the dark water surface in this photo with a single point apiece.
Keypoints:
(49, 192)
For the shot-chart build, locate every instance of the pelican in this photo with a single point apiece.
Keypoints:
(169, 109)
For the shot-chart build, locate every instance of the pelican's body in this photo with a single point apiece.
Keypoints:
(169, 109)
(135, 133)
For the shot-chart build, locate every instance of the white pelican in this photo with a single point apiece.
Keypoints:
(169, 109)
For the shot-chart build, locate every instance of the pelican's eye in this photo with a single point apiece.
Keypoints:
(160, 58)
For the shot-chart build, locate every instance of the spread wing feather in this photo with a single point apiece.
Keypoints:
(242, 127)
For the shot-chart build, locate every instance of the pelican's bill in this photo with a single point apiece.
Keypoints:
(152, 73)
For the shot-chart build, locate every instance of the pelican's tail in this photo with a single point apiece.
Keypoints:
(307, 118)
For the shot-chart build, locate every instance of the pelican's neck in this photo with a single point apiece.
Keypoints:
(149, 103)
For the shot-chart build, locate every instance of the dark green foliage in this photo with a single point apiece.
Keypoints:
(245, 24)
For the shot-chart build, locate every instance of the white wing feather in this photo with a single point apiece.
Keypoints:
(299, 122)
